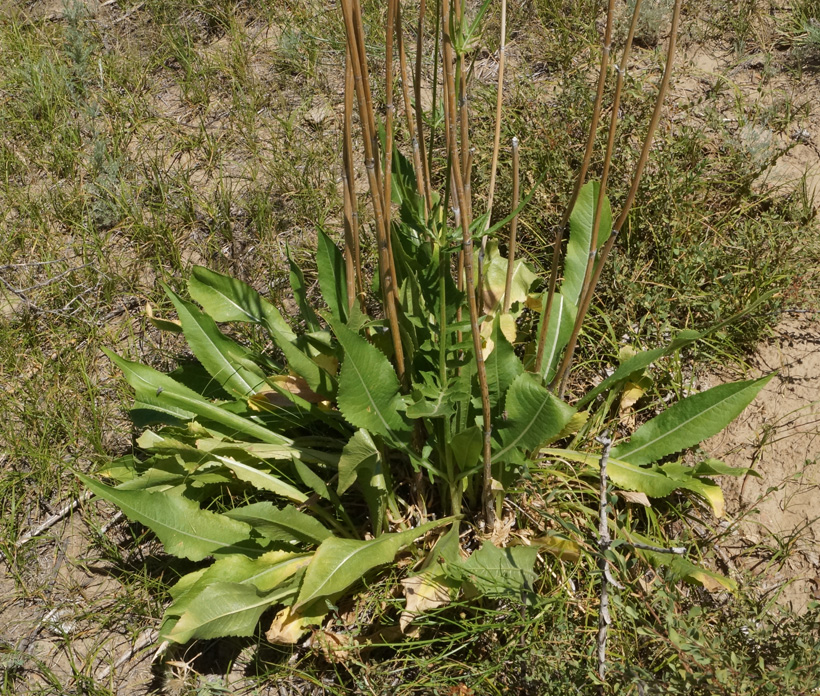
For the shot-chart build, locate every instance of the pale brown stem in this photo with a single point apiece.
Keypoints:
(352, 251)
(425, 171)
(376, 191)
(513, 227)
(467, 246)
(579, 182)
(636, 179)
(499, 99)
(408, 112)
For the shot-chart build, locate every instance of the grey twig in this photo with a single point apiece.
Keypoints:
(677, 550)
(604, 541)
(146, 638)
(50, 522)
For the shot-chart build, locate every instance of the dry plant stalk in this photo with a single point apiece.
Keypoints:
(469, 284)
(409, 113)
(562, 374)
(513, 226)
(579, 182)
(353, 262)
(355, 39)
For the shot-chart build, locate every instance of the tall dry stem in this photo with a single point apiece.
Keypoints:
(513, 226)
(355, 38)
(579, 182)
(562, 374)
(467, 249)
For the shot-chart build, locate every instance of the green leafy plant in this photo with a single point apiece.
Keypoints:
(359, 433)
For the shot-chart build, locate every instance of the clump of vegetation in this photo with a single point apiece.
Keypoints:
(413, 417)
(142, 139)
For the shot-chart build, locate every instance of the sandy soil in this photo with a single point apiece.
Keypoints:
(776, 516)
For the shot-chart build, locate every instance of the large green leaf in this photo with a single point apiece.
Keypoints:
(300, 363)
(656, 482)
(360, 453)
(368, 387)
(224, 609)
(226, 361)
(181, 525)
(156, 390)
(332, 276)
(362, 461)
(496, 572)
(580, 239)
(339, 563)
(689, 422)
(281, 524)
(271, 571)
(228, 299)
(533, 416)
(501, 364)
(562, 319)
(652, 482)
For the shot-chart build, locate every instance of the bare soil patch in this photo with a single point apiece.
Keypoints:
(776, 515)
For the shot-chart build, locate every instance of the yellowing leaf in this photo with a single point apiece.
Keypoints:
(425, 591)
(575, 423)
(631, 393)
(277, 398)
(508, 327)
(172, 325)
(288, 626)
(563, 549)
(495, 279)
(635, 497)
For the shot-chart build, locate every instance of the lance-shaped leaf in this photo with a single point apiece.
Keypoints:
(332, 277)
(562, 319)
(359, 454)
(580, 239)
(228, 299)
(156, 390)
(501, 364)
(362, 461)
(226, 361)
(534, 415)
(261, 479)
(368, 387)
(281, 524)
(270, 571)
(182, 526)
(340, 563)
(689, 422)
(653, 481)
(224, 609)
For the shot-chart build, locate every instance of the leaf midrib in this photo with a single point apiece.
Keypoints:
(668, 433)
